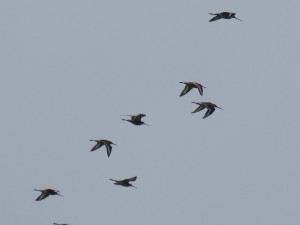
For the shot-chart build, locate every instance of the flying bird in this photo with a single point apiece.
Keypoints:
(125, 182)
(60, 224)
(136, 119)
(189, 86)
(223, 15)
(100, 143)
(45, 193)
(208, 105)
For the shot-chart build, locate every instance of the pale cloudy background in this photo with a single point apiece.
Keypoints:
(70, 68)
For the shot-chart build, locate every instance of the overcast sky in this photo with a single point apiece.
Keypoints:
(70, 69)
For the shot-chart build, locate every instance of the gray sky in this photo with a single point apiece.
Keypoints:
(69, 69)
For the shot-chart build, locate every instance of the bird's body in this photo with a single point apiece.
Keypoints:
(189, 86)
(60, 224)
(208, 105)
(125, 182)
(136, 119)
(223, 15)
(46, 192)
(100, 143)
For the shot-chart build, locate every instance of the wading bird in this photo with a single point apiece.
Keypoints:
(124, 182)
(100, 143)
(46, 192)
(189, 86)
(136, 119)
(210, 108)
(223, 15)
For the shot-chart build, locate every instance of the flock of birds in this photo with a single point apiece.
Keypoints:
(137, 120)
(202, 105)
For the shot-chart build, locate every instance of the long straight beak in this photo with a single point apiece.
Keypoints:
(238, 19)
(114, 144)
(147, 124)
(60, 195)
(133, 186)
(219, 107)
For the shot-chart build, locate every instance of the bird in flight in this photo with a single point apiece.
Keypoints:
(208, 105)
(125, 182)
(46, 192)
(100, 143)
(60, 224)
(136, 119)
(223, 15)
(189, 86)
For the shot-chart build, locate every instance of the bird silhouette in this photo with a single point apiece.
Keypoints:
(45, 193)
(125, 182)
(210, 108)
(189, 86)
(100, 143)
(136, 119)
(223, 15)
(60, 224)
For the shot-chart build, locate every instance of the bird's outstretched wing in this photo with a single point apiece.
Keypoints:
(138, 117)
(199, 87)
(108, 149)
(186, 89)
(42, 196)
(201, 107)
(209, 112)
(130, 179)
(128, 115)
(98, 145)
(217, 17)
(113, 180)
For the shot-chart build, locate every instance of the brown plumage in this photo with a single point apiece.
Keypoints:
(189, 86)
(136, 119)
(46, 192)
(125, 182)
(208, 105)
(223, 15)
(100, 143)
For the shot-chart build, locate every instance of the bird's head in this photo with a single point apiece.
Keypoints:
(57, 193)
(236, 17)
